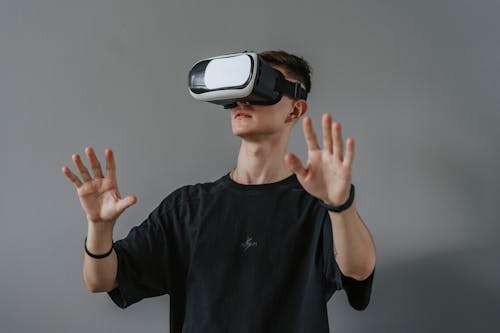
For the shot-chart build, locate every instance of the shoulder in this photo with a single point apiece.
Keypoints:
(188, 193)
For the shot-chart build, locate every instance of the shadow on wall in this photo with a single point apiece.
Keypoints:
(456, 291)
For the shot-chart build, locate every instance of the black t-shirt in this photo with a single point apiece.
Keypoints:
(237, 258)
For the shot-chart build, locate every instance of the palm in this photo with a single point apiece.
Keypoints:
(327, 174)
(99, 196)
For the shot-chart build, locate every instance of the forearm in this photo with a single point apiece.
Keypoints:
(354, 248)
(99, 274)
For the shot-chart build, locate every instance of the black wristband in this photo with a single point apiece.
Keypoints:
(97, 256)
(342, 207)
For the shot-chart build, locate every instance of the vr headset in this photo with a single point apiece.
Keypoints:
(245, 77)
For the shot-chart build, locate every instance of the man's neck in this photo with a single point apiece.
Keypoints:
(261, 163)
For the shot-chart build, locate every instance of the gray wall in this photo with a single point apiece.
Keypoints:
(416, 83)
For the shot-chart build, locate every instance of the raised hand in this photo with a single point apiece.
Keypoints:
(99, 196)
(327, 175)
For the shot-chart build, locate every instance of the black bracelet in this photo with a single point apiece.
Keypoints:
(342, 207)
(97, 256)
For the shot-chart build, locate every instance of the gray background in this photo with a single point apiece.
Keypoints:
(416, 83)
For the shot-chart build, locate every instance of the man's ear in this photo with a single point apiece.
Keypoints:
(299, 108)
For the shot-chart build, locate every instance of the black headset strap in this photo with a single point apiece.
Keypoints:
(293, 89)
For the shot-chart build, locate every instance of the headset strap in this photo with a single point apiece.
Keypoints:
(293, 89)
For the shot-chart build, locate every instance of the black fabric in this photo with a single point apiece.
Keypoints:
(237, 258)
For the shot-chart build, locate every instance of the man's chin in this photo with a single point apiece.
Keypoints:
(250, 136)
(243, 133)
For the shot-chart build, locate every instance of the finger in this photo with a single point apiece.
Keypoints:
(71, 176)
(295, 164)
(83, 170)
(94, 162)
(327, 133)
(309, 134)
(337, 140)
(126, 202)
(110, 164)
(349, 155)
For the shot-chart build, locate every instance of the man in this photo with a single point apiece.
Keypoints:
(253, 251)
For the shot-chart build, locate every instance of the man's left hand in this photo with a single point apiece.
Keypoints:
(327, 175)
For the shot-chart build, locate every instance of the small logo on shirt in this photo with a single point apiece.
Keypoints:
(248, 243)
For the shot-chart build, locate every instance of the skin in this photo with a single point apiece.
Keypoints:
(99, 196)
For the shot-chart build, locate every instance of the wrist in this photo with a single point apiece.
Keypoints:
(338, 208)
(96, 255)
(99, 237)
(100, 227)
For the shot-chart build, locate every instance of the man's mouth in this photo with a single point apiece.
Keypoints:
(240, 114)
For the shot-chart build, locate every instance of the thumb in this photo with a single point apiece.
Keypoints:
(126, 202)
(295, 164)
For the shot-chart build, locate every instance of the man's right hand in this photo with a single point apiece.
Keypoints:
(99, 196)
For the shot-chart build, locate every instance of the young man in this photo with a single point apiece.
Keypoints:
(253, 251)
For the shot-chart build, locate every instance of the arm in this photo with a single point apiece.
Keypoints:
(99, 275)
(327, 176)
(354, 248)
(103, 205)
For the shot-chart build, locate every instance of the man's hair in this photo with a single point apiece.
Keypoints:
(295, 67)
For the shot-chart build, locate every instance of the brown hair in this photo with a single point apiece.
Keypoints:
(295, 67)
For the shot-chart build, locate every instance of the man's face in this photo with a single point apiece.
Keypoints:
(266, 120)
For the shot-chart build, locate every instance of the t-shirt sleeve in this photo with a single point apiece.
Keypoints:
(358, 292)
(144, 260)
